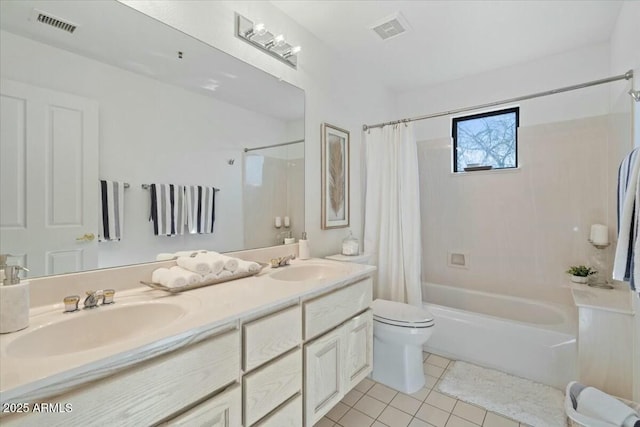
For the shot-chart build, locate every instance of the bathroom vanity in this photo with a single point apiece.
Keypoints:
(277, 349)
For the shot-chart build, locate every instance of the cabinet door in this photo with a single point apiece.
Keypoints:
(359, 349)
(323, 374)
(222, 410)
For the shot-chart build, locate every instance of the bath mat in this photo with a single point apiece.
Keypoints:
(529, 402)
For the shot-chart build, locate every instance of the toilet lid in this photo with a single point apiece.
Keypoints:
(400, 314)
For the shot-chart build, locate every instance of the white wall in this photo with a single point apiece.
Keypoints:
(335, 93)
(152, 132)
(625, 55)
(521, 229)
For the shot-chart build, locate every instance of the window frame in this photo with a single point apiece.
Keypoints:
(454, 132)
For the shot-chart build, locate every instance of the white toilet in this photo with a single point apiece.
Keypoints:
(399, 332)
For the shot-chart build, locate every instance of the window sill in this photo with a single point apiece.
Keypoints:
(488, 172)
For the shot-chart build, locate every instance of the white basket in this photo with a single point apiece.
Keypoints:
(578, 420)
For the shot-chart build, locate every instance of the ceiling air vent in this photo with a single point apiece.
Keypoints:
(58, 23)
(391, 26)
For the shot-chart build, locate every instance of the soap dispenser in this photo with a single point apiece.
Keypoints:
(14, 298)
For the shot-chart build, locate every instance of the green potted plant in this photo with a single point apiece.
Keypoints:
(580, 273)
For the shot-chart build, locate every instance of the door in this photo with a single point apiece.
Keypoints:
(323, 375)
(359, 349)
(48, 179)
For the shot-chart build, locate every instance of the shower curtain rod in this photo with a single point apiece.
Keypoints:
(274, 145)
(626, 76)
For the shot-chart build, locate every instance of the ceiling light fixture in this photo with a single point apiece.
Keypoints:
(275, 45)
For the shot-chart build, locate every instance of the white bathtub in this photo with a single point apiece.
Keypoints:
(527, 338)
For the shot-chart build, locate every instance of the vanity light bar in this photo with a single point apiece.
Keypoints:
(256, 34)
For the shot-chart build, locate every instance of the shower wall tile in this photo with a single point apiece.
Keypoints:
(521, 228)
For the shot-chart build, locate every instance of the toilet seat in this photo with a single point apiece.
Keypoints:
(401, 315)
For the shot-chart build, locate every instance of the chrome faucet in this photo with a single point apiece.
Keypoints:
(91, 301)
(282, 261)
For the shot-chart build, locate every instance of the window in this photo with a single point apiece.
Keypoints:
(487, 139)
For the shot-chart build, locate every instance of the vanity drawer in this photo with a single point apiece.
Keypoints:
(222, 410)
(288, 415)
(271, 336)
(150, 391)
(328, 311)
(268, 387)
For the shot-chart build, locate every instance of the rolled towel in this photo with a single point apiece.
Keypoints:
(594, 403)
(247, 267)
(224, 274)
(195, 264)
(191, 277)
(165, 256)
(230, 263)
(168, 278)
(215, 263)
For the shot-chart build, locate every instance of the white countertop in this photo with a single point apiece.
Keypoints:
(616, 300)
(216, 308)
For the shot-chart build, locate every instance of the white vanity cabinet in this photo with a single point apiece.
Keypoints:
(339, 359)
(222, 410)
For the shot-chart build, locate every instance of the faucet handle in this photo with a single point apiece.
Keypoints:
(71, 303)
(107, 296)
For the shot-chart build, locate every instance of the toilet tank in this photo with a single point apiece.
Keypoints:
(358, 259)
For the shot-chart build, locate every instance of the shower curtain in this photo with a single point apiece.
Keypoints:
(392, 212)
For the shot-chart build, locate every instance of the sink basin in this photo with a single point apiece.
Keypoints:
(299, 273)
(94, 328)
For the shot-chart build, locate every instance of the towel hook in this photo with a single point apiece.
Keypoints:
(231, 161)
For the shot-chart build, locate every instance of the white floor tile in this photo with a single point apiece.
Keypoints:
(421, 394)
(406, 403)
(364, 385)
(337, 411)
(370, 406)
(419, 423)
(434, 359)
(494, 420)
(429, 381)
(378, 424)
(394, 417)
(455, 421)
(352, 397)
(432, 415)
(441, 401)
(469, 412)
(354, 418)
(324, 422)
(425, 355)
(433, 370)
(382, 393)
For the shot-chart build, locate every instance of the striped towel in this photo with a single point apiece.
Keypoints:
(628, 175)
(200, 208)
(112, 218)
(167, 209)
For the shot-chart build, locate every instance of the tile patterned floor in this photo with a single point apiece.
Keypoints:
(371, 404)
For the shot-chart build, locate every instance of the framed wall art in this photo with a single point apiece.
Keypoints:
(335, 177)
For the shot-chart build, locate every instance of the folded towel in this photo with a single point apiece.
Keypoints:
(194, 264)
(191, 277)
(247, 267)
(168, 278)
(112, 218)
(594, 403)
(200, 208)
(167, 209)
(628, 175)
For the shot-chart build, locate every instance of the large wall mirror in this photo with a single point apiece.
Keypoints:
(126, 98)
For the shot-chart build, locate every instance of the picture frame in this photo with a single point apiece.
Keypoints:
(335, 177)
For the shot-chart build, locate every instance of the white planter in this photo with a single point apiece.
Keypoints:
(579, 279)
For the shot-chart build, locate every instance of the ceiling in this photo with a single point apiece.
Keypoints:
(448, 40)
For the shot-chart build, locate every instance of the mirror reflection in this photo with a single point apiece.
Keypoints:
(128, 99)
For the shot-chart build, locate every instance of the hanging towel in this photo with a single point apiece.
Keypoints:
(200, 208)
(112, 218)
(628, 175)
(167, 209)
